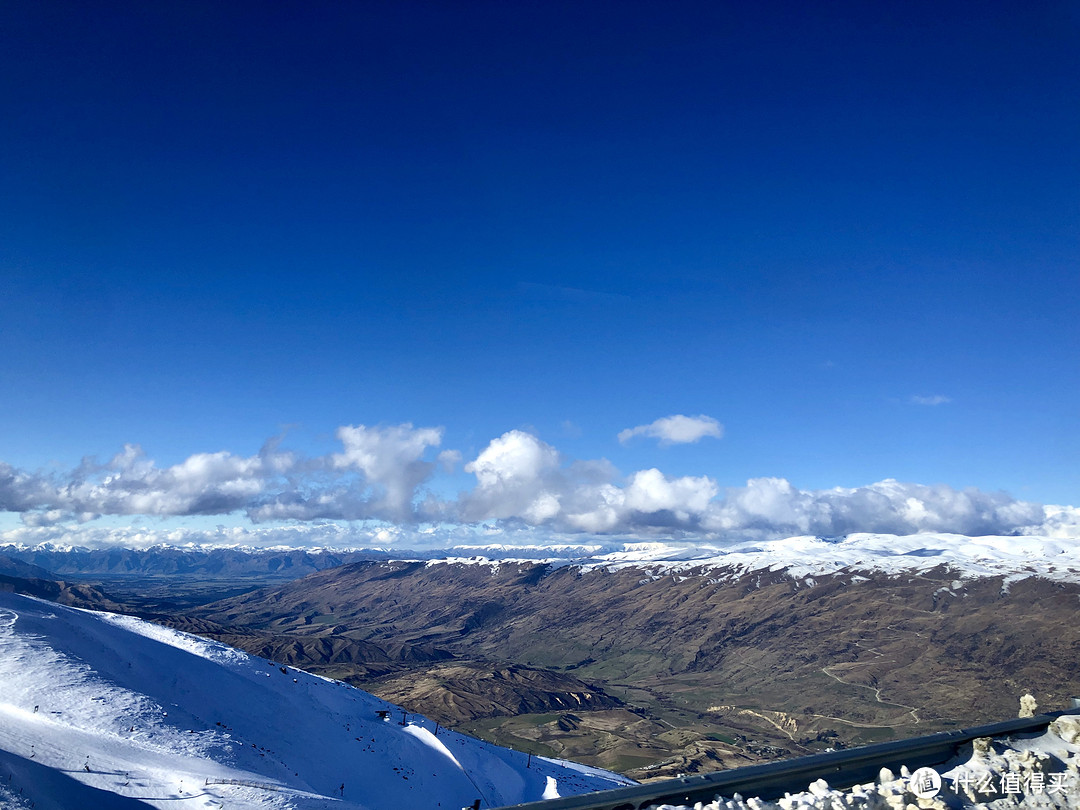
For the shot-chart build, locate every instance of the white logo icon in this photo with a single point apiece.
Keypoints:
(925, 783)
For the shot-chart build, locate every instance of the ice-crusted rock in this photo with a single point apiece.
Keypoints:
(1068, 728)
(1028, 706)
(981, 746)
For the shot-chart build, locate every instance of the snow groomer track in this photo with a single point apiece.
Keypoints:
(841, 769)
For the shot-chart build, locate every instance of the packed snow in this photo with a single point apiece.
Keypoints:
(106, 711)
(1033, 771)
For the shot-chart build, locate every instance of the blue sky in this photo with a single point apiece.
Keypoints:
(849, 233)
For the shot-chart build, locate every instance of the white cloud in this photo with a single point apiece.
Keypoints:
(516, 475)
(390, 459)
(21, 491)
(676, 429)
(514, 459)
(602, 513)
(377, 475)
(543, 507)
(765, 503)
(49, 517)
(205, 483)
(647, 501)
(1060, 522)
(304, 535)
(651, 491)
(936, 399)
(381, 474)
(773, 507)
(381, 452)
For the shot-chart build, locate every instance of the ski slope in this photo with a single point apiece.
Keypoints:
(106, 711)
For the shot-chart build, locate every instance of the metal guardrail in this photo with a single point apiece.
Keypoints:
(772, 780)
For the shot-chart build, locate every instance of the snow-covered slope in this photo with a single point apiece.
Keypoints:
(1011, 557)
(106, 711)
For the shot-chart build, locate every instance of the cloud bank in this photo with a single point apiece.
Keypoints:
(376, 476)
(383, 474)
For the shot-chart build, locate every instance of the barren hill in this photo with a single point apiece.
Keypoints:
(730, 662)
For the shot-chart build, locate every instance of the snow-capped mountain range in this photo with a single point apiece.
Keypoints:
(1010, 556)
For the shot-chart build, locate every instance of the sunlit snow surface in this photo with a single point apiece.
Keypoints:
(1012, 557)
(104, 711)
